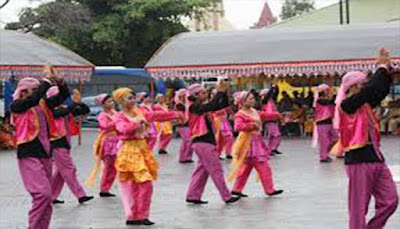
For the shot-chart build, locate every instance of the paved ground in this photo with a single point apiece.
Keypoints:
(315, 195)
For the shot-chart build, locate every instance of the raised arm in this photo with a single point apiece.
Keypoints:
(57, 100)
(161, 116)
(220, 101)
(375, 90)
(22, 105)
(79, 109)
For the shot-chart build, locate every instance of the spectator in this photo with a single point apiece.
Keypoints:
(286, 103)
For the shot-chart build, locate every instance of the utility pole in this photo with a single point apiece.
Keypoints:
(347, 11)
(341, 12)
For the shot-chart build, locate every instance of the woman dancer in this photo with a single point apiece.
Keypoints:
(324, 135)
(146, 107)
(164, 129)
(249, 149)
(186, 150)
(135, 163)
(223, 130)
(105, 146)
(274, 135)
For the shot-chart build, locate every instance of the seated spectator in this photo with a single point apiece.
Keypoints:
(7, 140)
(286, 103)
(394, 120)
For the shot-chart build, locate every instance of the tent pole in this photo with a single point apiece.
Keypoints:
(152, 89)
(80, 122)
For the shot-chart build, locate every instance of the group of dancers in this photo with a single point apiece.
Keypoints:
(128, 136)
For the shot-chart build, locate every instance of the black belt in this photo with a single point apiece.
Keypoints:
(325, 122)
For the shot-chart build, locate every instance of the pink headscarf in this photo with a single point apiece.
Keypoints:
(348, 80)
(99, 100)
(52, 91)
(179, 93)
(264, 92)
(239, 97)
(319, 89)
(141, 96)
(195, 88)
(192, 90)
(25, 84)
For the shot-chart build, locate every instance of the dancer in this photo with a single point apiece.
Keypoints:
(274, 135)
(204, 144)
(135, 164)
(146, 107)
(249, 148)
(33, 146)
(164, 129)
(223, 130)
(324, 134)
(359, 137)
(186, 150)
(105, 146)
(60, 118)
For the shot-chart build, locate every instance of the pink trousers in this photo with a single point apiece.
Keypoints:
(136, 199)
(326, 138)
(164, 141)
(225, 143)
(65, 172)
(366, 180)
(207, 165)
(186, 150)
(264, 172)
(151, 140)
(36, 176)
(274, 135)
(109, 173)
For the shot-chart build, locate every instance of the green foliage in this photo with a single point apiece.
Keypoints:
(111, 32)
(292, 8)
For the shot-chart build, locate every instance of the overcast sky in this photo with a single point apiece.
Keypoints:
(241, 13)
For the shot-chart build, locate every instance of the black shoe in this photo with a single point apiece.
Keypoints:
(188, 161)
(232, 200)
(58, 201)
(326, 160)
(161, 151)
(106, 194)
(221, 159)
(276, 192)
(229, 157)
(133, 222)
(146, 222)
(85, 199)
(197, 202)
(239, 194)
(276, 152)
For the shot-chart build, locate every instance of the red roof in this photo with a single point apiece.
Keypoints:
(266, 17)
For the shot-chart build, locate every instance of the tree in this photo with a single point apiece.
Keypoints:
(4, 3)
(111, 32)
(291, 8)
